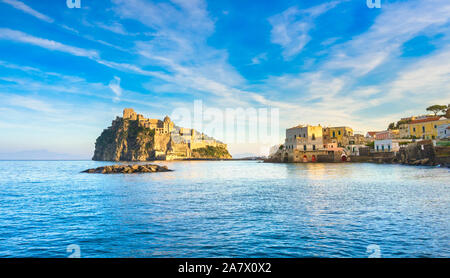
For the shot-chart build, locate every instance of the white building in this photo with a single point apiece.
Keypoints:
(354, 149)
(443, 131)
(387, 145)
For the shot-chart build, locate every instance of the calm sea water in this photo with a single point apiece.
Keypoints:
(221, 209)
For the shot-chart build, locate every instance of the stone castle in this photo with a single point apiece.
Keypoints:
(133, 137)
(160, 127)
(179, 135)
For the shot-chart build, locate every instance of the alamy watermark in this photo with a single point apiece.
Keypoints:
(73, 4)
(259, 125)
(373, 4)
(374, 251)
(74, 251)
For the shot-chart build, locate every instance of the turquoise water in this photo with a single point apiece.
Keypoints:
(224, 209)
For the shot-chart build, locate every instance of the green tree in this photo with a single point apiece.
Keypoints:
(391, 126)
(437, 108)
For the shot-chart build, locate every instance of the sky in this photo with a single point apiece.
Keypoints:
(66, 73)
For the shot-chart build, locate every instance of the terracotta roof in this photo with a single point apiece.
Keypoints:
(430, 119)
(372, 133)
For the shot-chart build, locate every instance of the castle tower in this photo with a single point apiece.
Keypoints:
(168, 124)
(128, 113)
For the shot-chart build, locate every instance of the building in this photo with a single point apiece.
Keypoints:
(387, 134)
(306, 138)
(160, 127)
(385, 141)
(444, 131)
(355, 149)
(357, 139)
(404, 130)
(426, 128)
(387, 145)
(371, 135)
(340, 135)
(306, 144)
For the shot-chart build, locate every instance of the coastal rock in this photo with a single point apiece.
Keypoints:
(127, 169)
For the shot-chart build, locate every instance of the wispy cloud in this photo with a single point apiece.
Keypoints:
(398, 23)
(27, 9)
(28, 103)
(337, 86)
(18, 36)
(258, 59)
(290, 29)
(114, 85)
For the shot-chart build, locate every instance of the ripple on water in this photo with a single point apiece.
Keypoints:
(221, 209)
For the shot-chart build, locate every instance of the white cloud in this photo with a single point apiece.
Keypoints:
(114, 85)
(258, 59)
(28, 103)
(398, 23)
(27, 9)
(332, 94)
(290, 29)
(19, 36)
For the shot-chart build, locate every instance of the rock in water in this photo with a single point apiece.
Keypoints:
(127, 169)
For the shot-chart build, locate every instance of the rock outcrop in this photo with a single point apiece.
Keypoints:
(135, 138)
(211, 152)
(418, 153)
(127, 169)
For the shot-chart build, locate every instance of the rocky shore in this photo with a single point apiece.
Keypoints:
(127, 169)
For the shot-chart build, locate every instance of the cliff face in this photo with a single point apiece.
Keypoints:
(134, 138)
(125, 140)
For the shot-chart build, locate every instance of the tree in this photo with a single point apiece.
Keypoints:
(437, 108)
(391, 126)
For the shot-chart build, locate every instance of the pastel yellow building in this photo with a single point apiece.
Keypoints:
(338, 134)
(304, 137)
(426, 128)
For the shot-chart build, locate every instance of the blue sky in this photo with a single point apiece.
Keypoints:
(66, 73)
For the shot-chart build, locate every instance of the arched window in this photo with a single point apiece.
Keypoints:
(313, 136)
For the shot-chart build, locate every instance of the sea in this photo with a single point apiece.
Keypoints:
(240, 209)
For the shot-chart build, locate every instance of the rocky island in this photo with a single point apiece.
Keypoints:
(127, 169)
(133, 137)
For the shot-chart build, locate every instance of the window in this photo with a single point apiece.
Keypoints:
(314, 147)
(313, 136)
(378, 147)
(304, 147)
(382, 148)
(339, 132)
(389, 147)
(423, 128)
(414, 129)
(334, 133)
